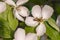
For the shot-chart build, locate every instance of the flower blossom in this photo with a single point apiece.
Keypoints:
(40, 14)
(20, 35)
(19, 10)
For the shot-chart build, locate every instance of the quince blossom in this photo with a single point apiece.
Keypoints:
(40, 14)
(19, 10)
(20, 35)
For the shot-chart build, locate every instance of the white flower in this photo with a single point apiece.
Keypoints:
(39, 16)
(20, 35)
(58, 21)
(2, 7)
(31, 36)
(19, 10)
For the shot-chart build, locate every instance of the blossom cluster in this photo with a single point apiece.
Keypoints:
(39, 15)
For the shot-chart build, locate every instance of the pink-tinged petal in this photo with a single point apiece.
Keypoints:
(30, 22)
(21, 2)
(47, 12)
(23, 11)
(2, 7)
(19, 34)
(36, 11)
(10, 2)
(58, 21)
(18, 16)
(41, 29)
(31, 36)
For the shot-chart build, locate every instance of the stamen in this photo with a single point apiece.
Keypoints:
(18, 8)
(39, 20)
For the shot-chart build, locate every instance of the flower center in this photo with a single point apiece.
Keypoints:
(39, 19)
(18, 8)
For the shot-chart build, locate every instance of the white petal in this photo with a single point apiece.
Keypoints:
(21, 2)
(58, 21)
(41, 29)
(10, 2)
(23, 11)
(36, 11)
(2, 7)
(30, 22)
(18, 16)
(31, 36)
(20, 34)
(47, 12)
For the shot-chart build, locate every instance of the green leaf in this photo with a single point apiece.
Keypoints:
(39, 38)
(7, 39)
(12, 21)
(53, 34)
(22, 25)
(8, 23)
(53, 24)
(4, 29)
(29, 29)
